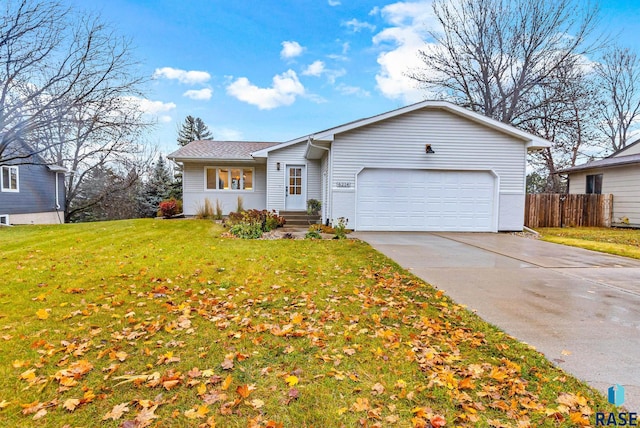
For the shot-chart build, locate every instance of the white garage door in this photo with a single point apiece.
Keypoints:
(418, 200)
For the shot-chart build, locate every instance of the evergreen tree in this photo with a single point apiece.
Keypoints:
(158, 187)
(193, 129)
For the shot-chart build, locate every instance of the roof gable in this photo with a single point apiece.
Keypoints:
(632, 148)
(532, 141)
(604, 163)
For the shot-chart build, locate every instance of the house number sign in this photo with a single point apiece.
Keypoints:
(343, 184)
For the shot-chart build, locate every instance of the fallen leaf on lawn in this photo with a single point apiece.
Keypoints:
(257, 403)
(199, 413)
(40, 414)
(202, 389)
(71, 404)
(227, 364)
(361, 405)
(42, 314)
(392, 419)
(291, 380)
(226, 383)
(377, 389)
(244, 390)
(438, 421)
(117, 411)
(3, 404)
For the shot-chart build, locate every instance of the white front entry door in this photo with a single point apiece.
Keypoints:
(295, 188)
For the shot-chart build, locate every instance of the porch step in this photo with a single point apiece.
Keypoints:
(299, 218)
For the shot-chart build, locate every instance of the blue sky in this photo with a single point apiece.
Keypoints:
(273, 70)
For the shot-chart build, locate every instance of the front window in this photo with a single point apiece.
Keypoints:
(594, 184)
(9, 179)
(229, 178)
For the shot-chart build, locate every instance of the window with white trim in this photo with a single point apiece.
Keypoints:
(9, 179)
(229, 178)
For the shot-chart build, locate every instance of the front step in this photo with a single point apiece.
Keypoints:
(299, 218)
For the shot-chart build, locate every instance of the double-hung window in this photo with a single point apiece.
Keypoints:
(229, 178)
(9, 181)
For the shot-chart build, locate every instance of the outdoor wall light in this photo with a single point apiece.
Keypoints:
(428, 149)
(278, 166)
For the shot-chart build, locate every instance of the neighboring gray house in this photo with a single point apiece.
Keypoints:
(619, 175)
(31, 194)
(430, 166)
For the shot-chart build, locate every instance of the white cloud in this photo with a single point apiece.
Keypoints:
(317, 69)
(334, 2)
(152, 107)
(400, 43)
(199, 94)
(314, 69)
(227, 134)
(356, 26)
(352, 90)
(182, 76)
(283, 91)
(291, 50)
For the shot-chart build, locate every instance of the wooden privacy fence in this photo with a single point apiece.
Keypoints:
(559, 210)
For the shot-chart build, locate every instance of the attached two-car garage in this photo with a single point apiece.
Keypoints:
(425, 200)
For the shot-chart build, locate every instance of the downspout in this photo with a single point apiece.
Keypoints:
(330, 175)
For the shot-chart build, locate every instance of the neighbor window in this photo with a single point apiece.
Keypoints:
(9, 179)
(594, 184)
(229, 178)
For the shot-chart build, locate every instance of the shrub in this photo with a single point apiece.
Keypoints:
(205, 211)
(341, 228)
(257, 219)
(170, 208)
(246, 230)
(312, 234)
(218, 215)
(313, 206)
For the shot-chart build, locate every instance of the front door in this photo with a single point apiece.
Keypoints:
(295, 190)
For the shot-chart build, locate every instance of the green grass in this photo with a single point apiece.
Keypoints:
(621, 242)
(181, 327)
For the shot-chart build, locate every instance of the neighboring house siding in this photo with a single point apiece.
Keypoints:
(633, 149)
(36, 192)
(459, 144)
(292, 155)
(195, 192)
(620, 181)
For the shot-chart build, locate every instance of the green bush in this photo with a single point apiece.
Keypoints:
(247, 230)
(313, 206)
(262, 220)
(312, 234)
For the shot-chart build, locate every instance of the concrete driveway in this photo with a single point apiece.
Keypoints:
(578, 307)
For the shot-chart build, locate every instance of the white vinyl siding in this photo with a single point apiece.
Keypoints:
(622, 182)
(195, 191)
(292, 155)
(458, 143)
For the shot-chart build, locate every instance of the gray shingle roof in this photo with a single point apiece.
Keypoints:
(604, 163)
(229, 150)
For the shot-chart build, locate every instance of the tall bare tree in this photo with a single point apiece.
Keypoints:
(618, 77)
(69, 90)
(492, 54)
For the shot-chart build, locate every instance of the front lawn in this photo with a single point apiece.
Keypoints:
(621, 242)
(163, 323)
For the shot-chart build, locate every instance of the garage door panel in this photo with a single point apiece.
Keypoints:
(423, 200)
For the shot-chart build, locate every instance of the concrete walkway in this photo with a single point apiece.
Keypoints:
(578, 307)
